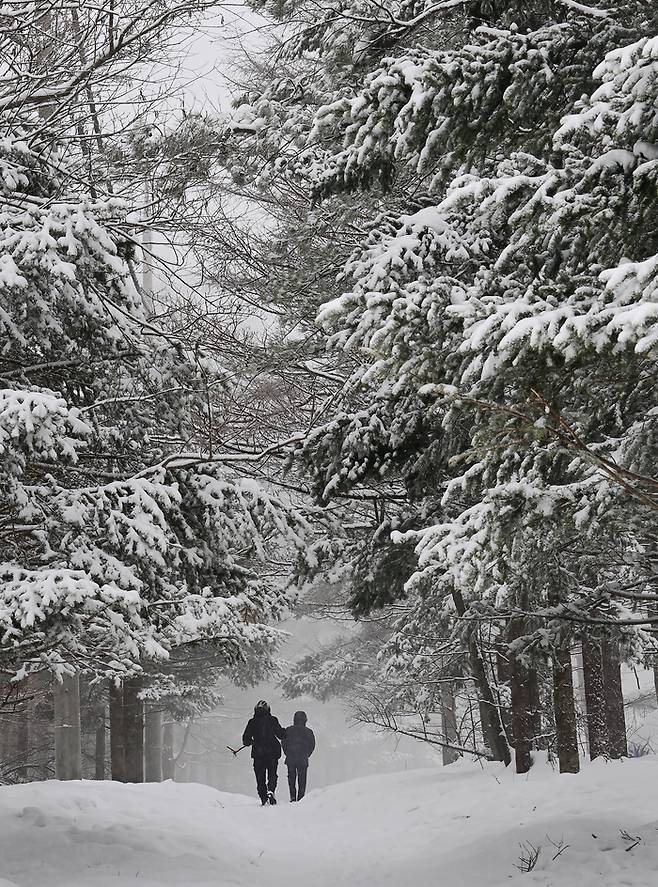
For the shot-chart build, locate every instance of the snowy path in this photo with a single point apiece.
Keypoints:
(458, 825)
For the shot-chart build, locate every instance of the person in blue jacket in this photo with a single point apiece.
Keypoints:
(263, 733)
(298, 745)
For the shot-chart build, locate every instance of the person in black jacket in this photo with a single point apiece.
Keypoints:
(263, 733)
(298, 744)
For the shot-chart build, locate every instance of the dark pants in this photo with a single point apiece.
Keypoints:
(297, 781)
(266, 776)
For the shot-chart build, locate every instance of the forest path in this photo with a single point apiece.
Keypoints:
(464, 825)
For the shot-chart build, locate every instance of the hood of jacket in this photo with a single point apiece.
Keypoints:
(299, 719)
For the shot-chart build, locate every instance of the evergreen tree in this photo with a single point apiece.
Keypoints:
(501, 323)
(122, 539)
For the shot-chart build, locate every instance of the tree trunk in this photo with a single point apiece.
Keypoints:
(117, 738)
(653, 611)
(484, 712)
(492, 725)
(68, 752)
(503, 678)
(23, 737)
(133, 723)
(168, 762)
(40, 725)
(597, 729)
(577, 672)
(153, 743)
(17, 730)
(566, 727)
(448, 724)
(14, 732)
(520, 687)
(614, 699)
(5, 727)
(99, 747)
(534, 698)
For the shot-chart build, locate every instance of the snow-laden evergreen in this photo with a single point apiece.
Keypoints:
(500, 320)
(122, 538)
(449, 259)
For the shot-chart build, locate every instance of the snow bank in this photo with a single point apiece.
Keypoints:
(462, 825)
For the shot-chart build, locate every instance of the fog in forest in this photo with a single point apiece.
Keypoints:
(345, 748)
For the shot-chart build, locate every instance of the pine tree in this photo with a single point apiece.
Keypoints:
(122, 539)
(484, 317)
(494, 322)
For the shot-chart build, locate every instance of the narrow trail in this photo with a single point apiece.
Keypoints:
(465, 825)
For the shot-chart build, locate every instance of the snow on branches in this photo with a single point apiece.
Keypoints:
(496, 323)
(38, 424)
(112, 554)
(440, 110)
(496, 312)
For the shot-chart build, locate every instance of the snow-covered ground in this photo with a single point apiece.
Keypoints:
(463, 825)
(345, 750)
(467, 825)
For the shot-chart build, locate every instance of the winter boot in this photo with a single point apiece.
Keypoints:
(271, 798)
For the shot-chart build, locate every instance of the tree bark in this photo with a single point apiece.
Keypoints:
(5, 727)
(597, 728)
(168, 762)
(448, 724)
(14, 731)
(117, 738)
(133, 722)
(577, 672)
(503, 678)
(40, 725)
(614, 699)
(566, 727)
(23, 737)
(538, 740)
(99, 748)
(68, 752)
(153, 743)
(653, 611)
(520, 691)
(492, 725)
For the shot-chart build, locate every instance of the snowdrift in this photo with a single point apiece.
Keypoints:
(463, 825)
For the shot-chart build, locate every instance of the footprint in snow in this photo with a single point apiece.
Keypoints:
(34, 816)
